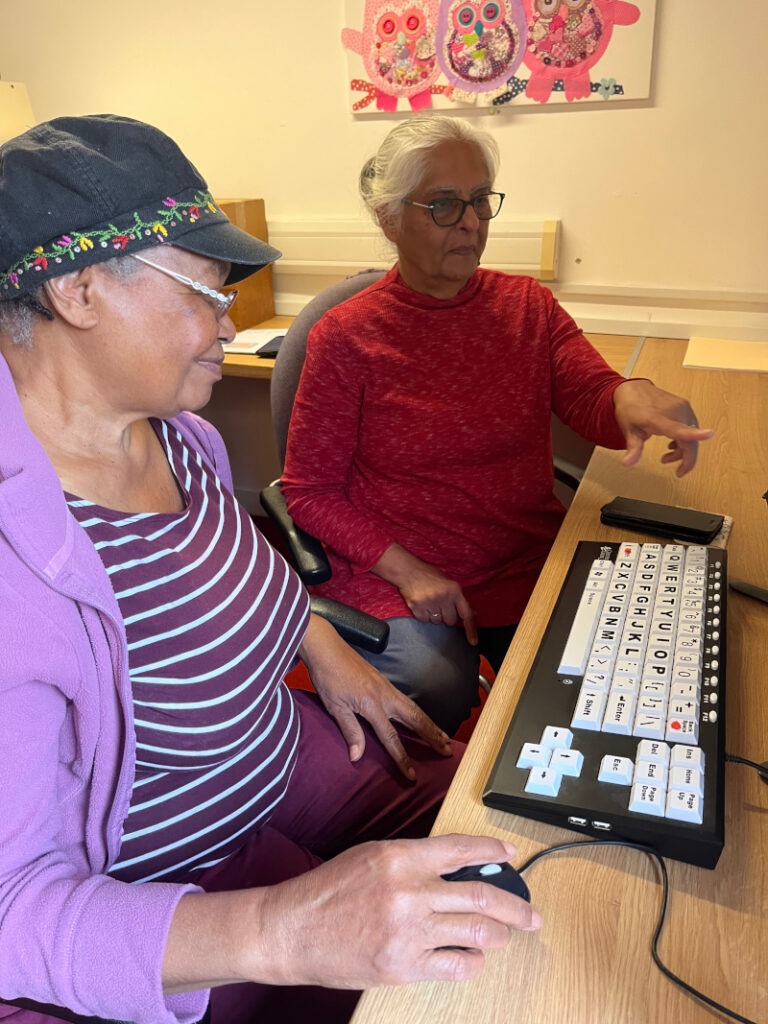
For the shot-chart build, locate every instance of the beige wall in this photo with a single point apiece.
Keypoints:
(665, 196)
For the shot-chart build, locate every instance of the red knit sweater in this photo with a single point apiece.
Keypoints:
(427, 422)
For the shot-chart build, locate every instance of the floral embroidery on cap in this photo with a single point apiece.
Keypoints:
(162, 222)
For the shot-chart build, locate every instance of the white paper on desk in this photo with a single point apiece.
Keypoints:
(254, 339)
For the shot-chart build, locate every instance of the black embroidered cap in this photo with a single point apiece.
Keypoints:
(80, 190)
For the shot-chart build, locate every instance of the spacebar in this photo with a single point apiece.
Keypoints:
(577, 647)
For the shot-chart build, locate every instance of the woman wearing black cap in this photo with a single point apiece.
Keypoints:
(153, 760)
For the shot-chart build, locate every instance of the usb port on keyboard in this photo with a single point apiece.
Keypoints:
(581, 822)
(604, 826)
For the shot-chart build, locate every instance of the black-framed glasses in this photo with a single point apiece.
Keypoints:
(447, 212)
(222, 303)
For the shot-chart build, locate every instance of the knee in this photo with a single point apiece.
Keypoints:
(444, 683)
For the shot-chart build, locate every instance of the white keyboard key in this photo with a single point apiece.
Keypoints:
(607, 621)
(543, 782)
(598, 681)
(659, 653)
(601, 664)
(684, 691)
(602, 650)
(601, 565)
(650, 750)
(556, 736)
(659, 667)
(626, 667)
(651, 703)
(653, 686)
(684, 709)
(567, 762)
(618, 770)
(687, 757)
(533, 755)
(690, 629)
(619, 713)
(683, 806)
(626, 684)
(650, 726)
(651, 771)
(647, 799)
(689, 780)
(574, 658)
(682, 730)
(692, 676)
(589, 709)
(598, 585)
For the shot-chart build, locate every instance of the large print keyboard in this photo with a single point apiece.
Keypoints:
(619, 729)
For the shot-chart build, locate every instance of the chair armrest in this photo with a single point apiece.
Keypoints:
(352, 625)
(307, 552)
(567, 472)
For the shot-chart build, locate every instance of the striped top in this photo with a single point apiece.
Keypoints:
(213, 618)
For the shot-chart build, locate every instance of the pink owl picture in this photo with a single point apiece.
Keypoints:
(397, 46)
(568, 37)
(480, 43)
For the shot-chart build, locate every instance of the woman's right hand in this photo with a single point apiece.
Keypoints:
(430, 595)
(380, 914)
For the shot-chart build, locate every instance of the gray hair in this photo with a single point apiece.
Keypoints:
(399, 166)
(18, 316)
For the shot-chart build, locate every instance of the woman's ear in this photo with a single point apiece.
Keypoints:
(73, 297)
(389, 225)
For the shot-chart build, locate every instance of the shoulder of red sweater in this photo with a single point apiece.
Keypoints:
(521, 283)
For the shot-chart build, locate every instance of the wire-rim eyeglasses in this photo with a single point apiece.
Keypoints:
(222, 303)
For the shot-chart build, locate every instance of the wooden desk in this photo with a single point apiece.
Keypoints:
(244, 365)
(590, 963)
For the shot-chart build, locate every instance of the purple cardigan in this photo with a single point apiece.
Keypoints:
(69, 934)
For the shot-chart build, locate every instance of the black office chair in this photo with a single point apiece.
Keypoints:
(307, 552)
(62, 1013)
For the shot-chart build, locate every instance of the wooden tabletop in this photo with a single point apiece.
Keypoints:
(590, 963)
(244, 365)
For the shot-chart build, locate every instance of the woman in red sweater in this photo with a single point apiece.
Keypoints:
(419, 449)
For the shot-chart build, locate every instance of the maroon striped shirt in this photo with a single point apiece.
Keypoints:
(214, 618)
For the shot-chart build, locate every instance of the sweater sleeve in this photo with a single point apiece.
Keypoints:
(75, 939)
(582, 382)
(322, 439)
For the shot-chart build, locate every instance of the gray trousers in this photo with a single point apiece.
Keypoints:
(436, 666)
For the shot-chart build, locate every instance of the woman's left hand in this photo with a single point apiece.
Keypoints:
(348, 686)
(643, 410)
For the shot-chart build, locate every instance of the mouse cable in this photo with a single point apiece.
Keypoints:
(662, 913)
(761, 769)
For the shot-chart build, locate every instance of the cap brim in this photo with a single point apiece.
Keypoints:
(227, 242)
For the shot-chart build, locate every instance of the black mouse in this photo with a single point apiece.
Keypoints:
(502, 875)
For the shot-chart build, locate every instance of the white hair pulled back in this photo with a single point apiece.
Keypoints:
(399, 166)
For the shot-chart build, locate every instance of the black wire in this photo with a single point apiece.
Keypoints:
(662, 913)
(761, 769)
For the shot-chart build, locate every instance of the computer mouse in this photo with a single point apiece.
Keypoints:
(503, 876)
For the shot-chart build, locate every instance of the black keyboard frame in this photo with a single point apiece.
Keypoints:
(547, 700)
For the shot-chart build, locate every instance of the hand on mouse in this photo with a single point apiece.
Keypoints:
(380, 914)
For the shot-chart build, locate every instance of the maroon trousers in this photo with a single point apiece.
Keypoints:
(331, 804)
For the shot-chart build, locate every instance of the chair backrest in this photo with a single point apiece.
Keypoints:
(293, 348)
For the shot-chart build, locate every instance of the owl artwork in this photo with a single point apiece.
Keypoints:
(566, 38)
(480, 43)
(398, 51)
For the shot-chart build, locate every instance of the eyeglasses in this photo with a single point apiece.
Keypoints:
(447, 212)
(221, 303)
